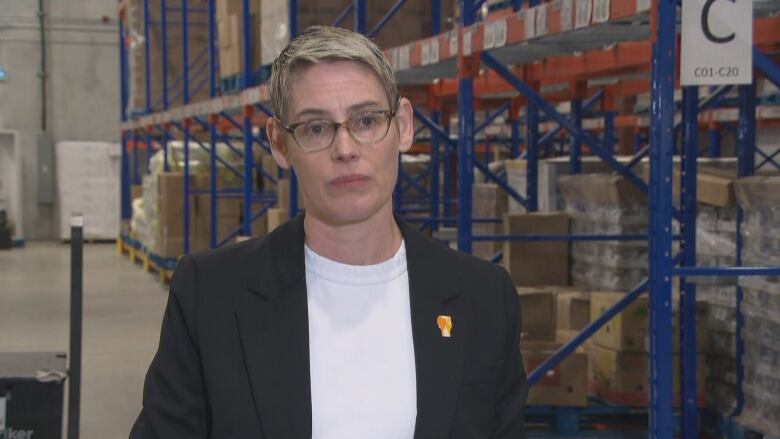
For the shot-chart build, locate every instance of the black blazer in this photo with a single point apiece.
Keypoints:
(233, 359)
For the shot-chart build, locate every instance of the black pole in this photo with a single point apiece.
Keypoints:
(76, 300)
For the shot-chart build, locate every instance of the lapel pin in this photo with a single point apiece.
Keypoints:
(445, 325)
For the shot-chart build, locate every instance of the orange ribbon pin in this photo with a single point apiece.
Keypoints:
(445, 325)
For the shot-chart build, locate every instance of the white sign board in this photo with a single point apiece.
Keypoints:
(717, 42)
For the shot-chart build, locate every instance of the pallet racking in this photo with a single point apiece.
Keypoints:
(513, 62)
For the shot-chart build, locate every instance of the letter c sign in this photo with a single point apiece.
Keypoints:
(705, 24)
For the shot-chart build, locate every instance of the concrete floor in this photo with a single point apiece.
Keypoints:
(123, 308)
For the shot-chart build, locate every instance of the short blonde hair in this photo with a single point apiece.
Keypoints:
(326, 43)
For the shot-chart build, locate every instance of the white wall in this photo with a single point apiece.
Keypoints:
(82, 86)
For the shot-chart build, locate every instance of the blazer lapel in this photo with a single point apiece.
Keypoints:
(438, 359)
(273, 324)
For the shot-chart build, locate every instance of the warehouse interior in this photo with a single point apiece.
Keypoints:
(632, 198)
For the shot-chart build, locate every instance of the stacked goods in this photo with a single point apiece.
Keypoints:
(488, 201)
(606, 204)
(136, 44)
(158, 215)
(88, 183)
(617, 355)
(549, 196)
(716, 231)
(537, 263)
(548, 315)
(230, 36)
(269, 26)
(759, 197)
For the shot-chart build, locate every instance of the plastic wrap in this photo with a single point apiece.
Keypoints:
(274, 28)
(722, 369)
(721, 319)
(722, 343)
(611, 255)
(721, 396)
(719, 295)
(605, 278)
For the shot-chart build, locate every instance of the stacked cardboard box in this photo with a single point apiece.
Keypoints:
(136, 44)
(606, 204)
(618, 360)
(230, 36)
(548, 316)
(759, 197)
(488, 201)
(537, 263)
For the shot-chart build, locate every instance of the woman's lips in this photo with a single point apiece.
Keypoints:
(349, 180)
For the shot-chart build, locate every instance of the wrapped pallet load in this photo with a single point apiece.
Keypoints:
(600, 204)
(759, 197)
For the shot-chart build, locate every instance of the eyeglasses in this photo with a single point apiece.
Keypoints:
(365, 129)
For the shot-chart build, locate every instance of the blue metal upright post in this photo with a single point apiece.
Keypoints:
(435, 17)
(714, 150)
(360, 16)
(660, 230)
(124, 189)
(746, 155)
(293, 8)
(213, 119)
(514, 121)
(124, 186)
(185, 84)
(148, 155)
(164, 59)
(532, 158)
(293, 5)
(434, 173)
(688, 348)
(465, 133)
(147, 64)
(609, 131)
(575, 146)
(136, 175)
(246, 38)
(447, 173)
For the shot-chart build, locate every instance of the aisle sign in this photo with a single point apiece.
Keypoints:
(717, 42)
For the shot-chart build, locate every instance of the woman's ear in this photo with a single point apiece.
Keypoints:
(277, 138)
(405, 119)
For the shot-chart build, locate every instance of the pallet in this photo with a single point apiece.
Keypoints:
(598, 419)
(138, 254)
(719, 426)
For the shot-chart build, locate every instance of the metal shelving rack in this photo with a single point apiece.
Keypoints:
(506, 63)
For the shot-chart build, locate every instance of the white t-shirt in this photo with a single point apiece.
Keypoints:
(361, 352)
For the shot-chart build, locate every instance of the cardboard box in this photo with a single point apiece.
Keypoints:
(170, 205)
(541, 262)
(622, 377)
(488, 201)
(573, 310)
(277, 217)
(758, 192)
(565, 385)
(627, 331)
(283, 194)
(537, 314)
(228, 219)
(230, 36)
(600, 189)
(714, 186)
